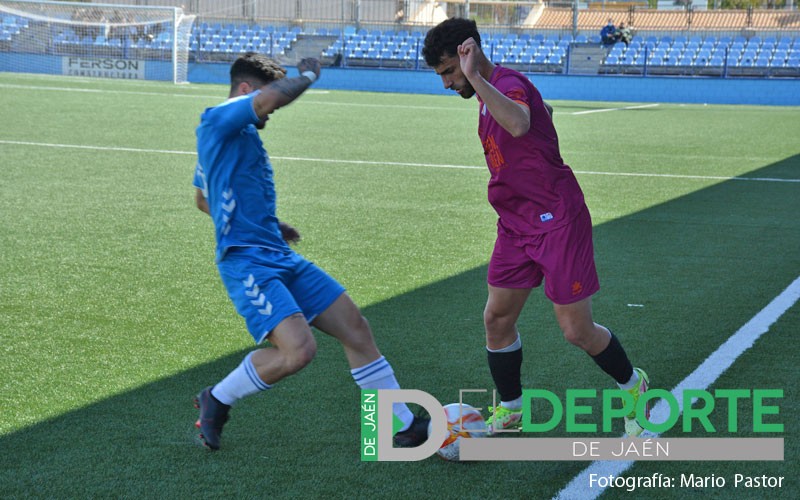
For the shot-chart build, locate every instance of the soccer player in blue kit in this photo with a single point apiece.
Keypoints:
(279, 293)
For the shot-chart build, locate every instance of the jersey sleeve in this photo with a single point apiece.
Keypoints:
(514, 89)
(199, 179)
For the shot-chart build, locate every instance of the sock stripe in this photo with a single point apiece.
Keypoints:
(252, 374)
(358, 371)
(365, 372)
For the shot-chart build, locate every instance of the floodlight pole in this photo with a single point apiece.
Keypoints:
(574, 18)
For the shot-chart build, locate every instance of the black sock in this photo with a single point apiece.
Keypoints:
(506, 368)
(614, 361)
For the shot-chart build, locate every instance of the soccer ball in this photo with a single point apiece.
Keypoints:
(463, 421)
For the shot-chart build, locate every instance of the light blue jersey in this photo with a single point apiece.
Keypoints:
(235, 174)
(266, 280)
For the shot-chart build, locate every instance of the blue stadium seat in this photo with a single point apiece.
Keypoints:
(780, 55)
(747, 61)
(658, 54)
(625, 60)
(702, 59)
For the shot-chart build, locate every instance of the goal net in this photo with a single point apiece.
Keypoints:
(95, 40)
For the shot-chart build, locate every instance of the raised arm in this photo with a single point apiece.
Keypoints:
(281, 92)
(512, 116)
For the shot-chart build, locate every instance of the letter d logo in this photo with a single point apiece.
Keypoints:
(438, 433)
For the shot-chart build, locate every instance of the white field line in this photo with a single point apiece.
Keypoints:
(220, 97)
(389, 163)
(309, 92)
(604, 110)
(701, 378)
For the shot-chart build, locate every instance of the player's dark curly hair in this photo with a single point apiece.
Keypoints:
(253, 66)
(443, 40)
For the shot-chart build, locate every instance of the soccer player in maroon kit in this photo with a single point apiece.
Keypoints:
(544, 230)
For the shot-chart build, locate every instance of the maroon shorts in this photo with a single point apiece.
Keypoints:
(564, 258)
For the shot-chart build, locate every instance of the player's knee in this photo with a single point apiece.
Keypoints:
(361, 325)
(577, 336)
(495, 323)
(301, 356)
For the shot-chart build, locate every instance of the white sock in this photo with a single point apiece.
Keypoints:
(512, 405)
(241, 382)
(630, 384)
(379, 375)
(515, 346)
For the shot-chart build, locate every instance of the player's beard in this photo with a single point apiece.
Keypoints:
(467, 91)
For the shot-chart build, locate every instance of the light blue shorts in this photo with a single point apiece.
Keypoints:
(267, 286)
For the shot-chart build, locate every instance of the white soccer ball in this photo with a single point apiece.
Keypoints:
(463, 422)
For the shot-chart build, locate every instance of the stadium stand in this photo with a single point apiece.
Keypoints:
(757, 43)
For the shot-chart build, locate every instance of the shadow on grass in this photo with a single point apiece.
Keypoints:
(678, 279)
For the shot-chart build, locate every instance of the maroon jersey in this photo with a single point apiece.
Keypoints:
(531, 188)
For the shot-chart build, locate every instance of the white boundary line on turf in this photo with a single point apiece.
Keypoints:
(701, 378)
(640, 106)
(391, 163)
(128, 92)
(310, 91)
(220, 97)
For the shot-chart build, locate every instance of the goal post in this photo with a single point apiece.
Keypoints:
(95, 40)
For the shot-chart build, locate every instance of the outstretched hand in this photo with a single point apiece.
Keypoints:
(309, 64)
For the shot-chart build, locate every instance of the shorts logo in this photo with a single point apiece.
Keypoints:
(577, 288)
(546, 217)
(259, 299)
